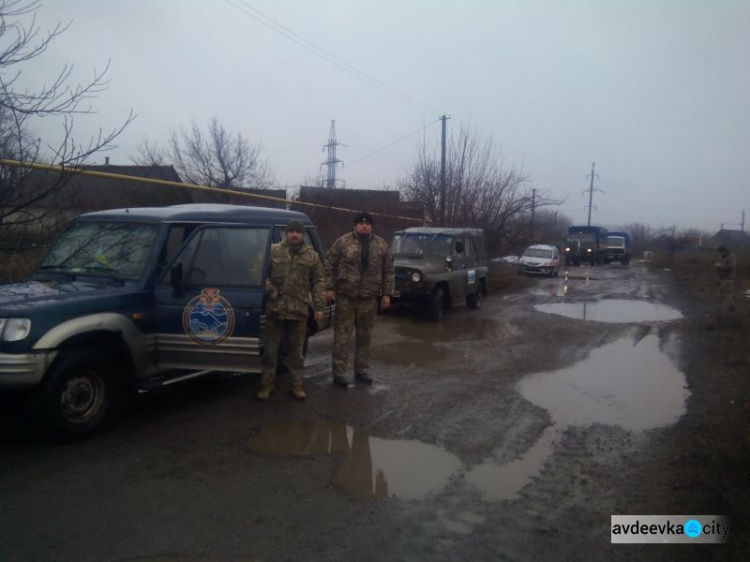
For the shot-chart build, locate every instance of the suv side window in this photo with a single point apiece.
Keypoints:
(225, 256)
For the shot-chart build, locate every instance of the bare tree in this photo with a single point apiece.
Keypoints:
(27, 204)
(214, 157)
(479, 190)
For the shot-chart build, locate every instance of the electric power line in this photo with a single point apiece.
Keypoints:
(392, 143)
(308, 45)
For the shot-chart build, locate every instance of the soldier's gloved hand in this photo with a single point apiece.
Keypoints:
(318, 315)
(330, 296)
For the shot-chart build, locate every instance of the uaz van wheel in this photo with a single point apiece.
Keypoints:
(77, 394)
(474, 300)
(436, 305)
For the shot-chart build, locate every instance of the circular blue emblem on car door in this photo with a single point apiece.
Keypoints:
(208, 319)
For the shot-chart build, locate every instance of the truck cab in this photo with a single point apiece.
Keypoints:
(619, 247)
(585, 244)
(135, 299)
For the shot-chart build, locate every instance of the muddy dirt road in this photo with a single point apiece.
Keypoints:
(512, 432)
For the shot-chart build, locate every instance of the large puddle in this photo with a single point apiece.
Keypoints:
(612, 310)
(371, 467)
(630, 383)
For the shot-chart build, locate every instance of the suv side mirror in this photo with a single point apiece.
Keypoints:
(175, 279)
(459, 247)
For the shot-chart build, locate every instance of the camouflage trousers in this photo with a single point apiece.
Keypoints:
(296, 330)
(726, 290)
(358, 316)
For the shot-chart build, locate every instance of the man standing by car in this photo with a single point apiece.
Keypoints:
(359, 269)
(294, 273)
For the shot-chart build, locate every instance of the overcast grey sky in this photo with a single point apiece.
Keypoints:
(656, 92)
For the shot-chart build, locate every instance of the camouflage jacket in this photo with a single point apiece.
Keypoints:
(726, 266)
(296, 276)
(345, 274)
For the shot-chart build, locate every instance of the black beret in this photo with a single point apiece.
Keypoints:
(363, 216)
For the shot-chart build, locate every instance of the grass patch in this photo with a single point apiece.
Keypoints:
(505, 278)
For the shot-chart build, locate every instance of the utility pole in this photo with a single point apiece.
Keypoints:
(533, 206)
(331, 162)
(742, 224)
(591, 191)
(443, 187)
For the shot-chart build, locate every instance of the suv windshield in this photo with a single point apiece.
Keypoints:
(538, 253)
(422, 244)
(117, 250)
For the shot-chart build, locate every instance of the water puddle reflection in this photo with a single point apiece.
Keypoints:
(372, 467)
(630, 383)
(504, 481)
(612, 310)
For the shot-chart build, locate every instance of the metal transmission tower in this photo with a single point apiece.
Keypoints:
(332, 161)
(591, 191)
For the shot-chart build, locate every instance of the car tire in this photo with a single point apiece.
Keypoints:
(475, 299)
(435, 310)
(78, 393)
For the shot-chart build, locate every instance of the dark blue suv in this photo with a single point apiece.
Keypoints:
(134, 299)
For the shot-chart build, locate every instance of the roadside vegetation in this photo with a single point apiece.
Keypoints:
(716, 445)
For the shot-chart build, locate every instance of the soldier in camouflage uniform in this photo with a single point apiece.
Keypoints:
(725, 267)
(358, 270)
(294, 273)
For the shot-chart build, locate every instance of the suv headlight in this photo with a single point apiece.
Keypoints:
(416, 277)
(15, 329)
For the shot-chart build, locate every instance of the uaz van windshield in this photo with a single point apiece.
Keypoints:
(422, 244)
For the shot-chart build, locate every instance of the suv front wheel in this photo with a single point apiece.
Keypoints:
(77, 395)
(475, 299)
(435, 310)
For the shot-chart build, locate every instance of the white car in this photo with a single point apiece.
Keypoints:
(540, 259)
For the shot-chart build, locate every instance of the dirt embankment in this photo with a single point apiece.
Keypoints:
(708, 454)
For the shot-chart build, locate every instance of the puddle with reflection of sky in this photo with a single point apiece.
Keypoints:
(371, 467)
(630, 383)
(612, 310)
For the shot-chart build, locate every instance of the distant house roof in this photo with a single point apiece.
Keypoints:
(82, 193)
(356, 199)
(729, 238)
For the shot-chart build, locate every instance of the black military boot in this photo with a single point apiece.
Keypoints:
(363, 378)
(340, 381)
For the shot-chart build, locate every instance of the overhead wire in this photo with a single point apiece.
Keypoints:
(373, 153)
(284, 31)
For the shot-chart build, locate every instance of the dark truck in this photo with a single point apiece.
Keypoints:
(440, 268)
(619, 247)
(136, 299)
(585, 244)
